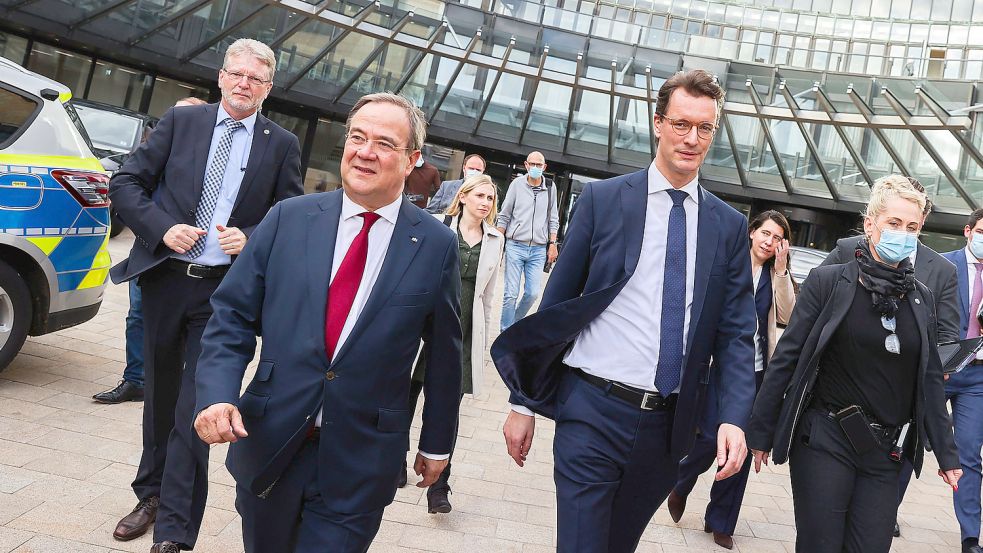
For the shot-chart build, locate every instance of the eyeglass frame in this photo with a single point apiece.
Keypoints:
(673, 120)
(251, 79)
(890, 324)
(385, 146)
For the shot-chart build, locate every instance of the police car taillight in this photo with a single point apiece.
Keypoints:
(90, 189)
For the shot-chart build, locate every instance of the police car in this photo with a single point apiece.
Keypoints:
(54, 212)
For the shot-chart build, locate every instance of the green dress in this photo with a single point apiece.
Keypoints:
(469, 256)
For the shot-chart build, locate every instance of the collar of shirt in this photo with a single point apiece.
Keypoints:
(658, 182)
(351, 209)
(249, 122)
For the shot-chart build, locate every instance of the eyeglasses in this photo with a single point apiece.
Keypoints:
(356, 140)
(535, 164)
(891, 343)
(237, 76)
(682, 127)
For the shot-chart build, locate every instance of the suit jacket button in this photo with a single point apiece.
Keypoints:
(330, 375)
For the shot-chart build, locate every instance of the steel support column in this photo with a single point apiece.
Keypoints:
(827, 105)
(810, 144)
(358, 18)
(756, 101)
(532, 97)
(491, 92)
(457, 71)
(375, 54)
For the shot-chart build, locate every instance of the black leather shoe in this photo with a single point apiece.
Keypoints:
(139, 520)
(972, 546)
(124, 391)
(401, 481)
(165, 547)
(437, 501)
(897, 530)
(676, 504)
(723, 540)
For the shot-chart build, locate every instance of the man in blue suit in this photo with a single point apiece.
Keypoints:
(965, 389)
(342, 286)
(653, 280)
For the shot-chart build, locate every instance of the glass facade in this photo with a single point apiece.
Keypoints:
(823, 96)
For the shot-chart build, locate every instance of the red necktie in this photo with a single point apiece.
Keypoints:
(341, 293)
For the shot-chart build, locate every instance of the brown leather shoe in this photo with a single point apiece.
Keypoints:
(139, 520)
(676, 504)
(723, 540)
(165, 547)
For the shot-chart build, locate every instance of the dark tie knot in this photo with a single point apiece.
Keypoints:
(677, 197)
(232, 125)
(369, 219)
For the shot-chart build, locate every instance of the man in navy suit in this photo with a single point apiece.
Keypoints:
(653, 280)
(964, 389)
(193, 193)
(342, 286)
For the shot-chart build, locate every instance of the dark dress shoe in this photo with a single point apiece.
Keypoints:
(139, 520)
(401, 481)
(972, 546)
(676, 504)
(723, 540)
(897, 530)
(124, 391)
(437, 501)
(165, 547)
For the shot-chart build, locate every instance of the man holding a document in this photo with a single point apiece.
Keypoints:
(965, 388)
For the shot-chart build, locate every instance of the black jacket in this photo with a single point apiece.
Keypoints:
(160, 185)
(823, 302)
(933, 270)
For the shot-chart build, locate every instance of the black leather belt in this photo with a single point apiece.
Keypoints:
(646, 401)
(195, 270)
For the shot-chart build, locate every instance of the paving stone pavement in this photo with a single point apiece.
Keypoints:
(66, 464)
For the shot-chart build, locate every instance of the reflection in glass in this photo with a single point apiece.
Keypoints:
(168, 91)
(548, 118)
(503, 119)
(70, 69)
(720, 162)
(756, 155)
(337, 66)
(13, 47)
(589, 128)
(797, 159)
(631, 133)
(324, 168)
(118, 85)
(188, 31)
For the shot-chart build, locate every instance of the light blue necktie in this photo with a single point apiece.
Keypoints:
(213, 184)
(673, 300)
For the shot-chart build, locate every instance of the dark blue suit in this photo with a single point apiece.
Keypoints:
(965, 391)
(278, 288)
(600, 254)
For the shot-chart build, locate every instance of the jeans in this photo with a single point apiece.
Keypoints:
(521, 259)
(133, 373)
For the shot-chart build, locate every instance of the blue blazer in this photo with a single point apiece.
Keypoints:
(972, 376)
(278, 288)
(160, 185)
(600, 253)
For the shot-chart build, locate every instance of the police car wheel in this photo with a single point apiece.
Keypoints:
(116, 224)
(15, 313)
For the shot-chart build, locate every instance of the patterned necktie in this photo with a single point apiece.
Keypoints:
(973, 329)
(341, 293)
(673, 299)
(213, 184)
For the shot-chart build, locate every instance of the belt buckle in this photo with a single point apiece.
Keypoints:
(645, 401)
(187, 271)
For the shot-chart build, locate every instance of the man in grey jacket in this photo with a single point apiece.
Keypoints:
(529, 220)
(473, 165)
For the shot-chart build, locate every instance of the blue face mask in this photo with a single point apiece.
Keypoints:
(976, 246)
(468, 173)
(535, 172)
(896, 245)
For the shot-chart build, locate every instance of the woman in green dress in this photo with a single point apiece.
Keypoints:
(472, 217)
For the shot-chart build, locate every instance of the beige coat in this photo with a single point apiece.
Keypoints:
(782, 302)
(492, 245)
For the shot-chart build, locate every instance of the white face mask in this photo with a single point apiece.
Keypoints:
(419, 161)
(468, 173)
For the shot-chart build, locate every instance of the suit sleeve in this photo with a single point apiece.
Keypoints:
(947, 306)
(734, 345)
(435, 202)
(836, 256)
(442, 380)
(288, 182)
(781, 367)
(131, 187)
(572, 266)
(784, 297)
(938, 424)
(505, 214)
(229, 340)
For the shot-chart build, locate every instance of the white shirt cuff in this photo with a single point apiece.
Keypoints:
(433, 457)
(522, 410)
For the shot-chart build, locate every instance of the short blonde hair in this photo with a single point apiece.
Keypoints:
(893, 186)
(467, 186)
(254, 48)
(414, 116)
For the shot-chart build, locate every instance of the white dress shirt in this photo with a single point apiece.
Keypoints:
(380, 235)
(242, 142)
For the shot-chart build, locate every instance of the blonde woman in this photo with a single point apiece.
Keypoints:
(471, 216)
(856, 366)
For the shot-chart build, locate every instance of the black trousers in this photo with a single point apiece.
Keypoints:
(174, 464)
(844, 502)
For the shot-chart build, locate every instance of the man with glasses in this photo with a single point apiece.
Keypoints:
(529, 220)
(344, 286)
(654, 281)
(193, 194)
(964, 389)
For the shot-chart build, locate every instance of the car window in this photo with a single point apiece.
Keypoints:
(110, 130)
(16, 111)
